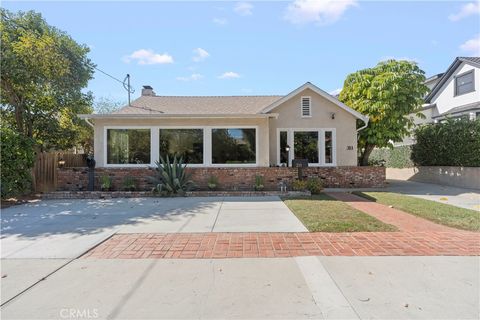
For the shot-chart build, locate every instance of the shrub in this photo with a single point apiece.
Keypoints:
(212, 183)
(314, 185)
(106, 183)
(259, 183)
(171, 177)
(129, 183)
(17, 157)
(397, 157)
(299, 185)
(451, 143)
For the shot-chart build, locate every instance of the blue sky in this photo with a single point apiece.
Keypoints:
(248, 48)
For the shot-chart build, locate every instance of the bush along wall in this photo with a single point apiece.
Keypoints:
(451, 143)
(398, 157)
(17, 157)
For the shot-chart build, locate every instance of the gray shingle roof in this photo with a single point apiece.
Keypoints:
(198, 105)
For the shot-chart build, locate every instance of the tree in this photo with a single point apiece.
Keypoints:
(388, 93)
(105, 105)
(43, 74)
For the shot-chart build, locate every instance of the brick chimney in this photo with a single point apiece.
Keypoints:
(147, 91)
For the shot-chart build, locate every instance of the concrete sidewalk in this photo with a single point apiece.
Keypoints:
(281, 288)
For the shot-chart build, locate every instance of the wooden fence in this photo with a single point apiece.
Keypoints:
(45, 168)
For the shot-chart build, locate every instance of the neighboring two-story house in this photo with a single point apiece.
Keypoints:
(453, 94)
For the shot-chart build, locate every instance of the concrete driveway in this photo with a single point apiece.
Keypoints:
(65, 229)
(460, 197)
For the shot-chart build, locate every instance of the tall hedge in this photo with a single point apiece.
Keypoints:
(451, 143)
(17, 158)
(397, 157)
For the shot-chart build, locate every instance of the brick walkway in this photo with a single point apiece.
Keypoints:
(398, 218)
(243, 245)
(417, 237)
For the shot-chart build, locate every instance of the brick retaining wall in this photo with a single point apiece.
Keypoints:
(74, 179)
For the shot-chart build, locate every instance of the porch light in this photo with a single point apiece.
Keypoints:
(332, 115)
(287, 148)
(61, 163)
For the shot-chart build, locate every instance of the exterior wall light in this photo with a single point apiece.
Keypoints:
(332, 115)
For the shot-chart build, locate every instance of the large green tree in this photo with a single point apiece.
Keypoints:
(43, 76)
(389, 93)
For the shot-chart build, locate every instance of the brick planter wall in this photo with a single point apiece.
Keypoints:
(75, 179)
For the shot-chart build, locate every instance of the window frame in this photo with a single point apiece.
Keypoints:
(309, 107)
(158, 128)
(155, 145)
(123, 165)
(321, 145)
(456, 94)
(220, 165)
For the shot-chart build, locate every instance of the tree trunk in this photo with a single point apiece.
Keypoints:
(366, 154)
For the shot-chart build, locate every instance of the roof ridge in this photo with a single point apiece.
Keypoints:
(227, 96)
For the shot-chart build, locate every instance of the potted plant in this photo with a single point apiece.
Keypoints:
(259, 186)
(106, 183)
(212, 183)
(129, 184)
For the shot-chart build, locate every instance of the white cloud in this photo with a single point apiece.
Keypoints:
(148, 56)
(469, 9)
(314, 11)
(229, 75)
(335, 92)
(472, 46)
(200, 54)
(220, 21)
(243, 8)
(192, 77)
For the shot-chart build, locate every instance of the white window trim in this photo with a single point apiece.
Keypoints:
(193, 165)
(321, 145)
(155, 146)
(310, 106)
(124, 165)
(219, 165)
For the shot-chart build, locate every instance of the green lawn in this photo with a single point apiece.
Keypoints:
(323, 213)
(434, 211)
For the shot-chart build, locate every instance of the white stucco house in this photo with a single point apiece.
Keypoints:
(229, 131)
(454, 94)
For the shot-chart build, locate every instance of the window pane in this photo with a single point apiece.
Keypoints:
(283, 147)
(233, 146)
(128, 146)
(306, 145)
(464, 83)
(186, 143)
(328, 147)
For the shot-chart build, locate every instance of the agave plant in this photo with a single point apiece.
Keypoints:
(171, 177)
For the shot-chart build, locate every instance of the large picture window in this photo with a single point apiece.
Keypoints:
(234, 146)
(306, 145)
(186, 143)
(128, 146)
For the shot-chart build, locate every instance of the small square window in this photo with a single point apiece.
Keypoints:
(306, 107)
(464, 83)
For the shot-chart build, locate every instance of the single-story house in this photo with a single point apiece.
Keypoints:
(229, 131)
